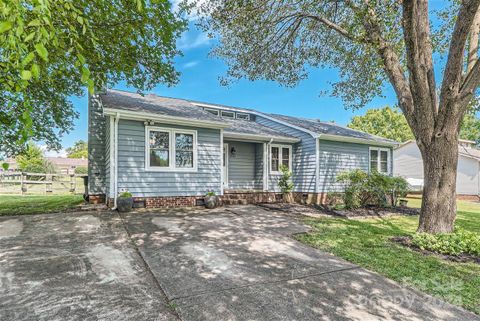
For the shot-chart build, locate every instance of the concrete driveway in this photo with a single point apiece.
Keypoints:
(233, 263)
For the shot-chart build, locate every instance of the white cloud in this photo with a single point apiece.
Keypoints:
(188, 41)
(193, 15)
(190, 64)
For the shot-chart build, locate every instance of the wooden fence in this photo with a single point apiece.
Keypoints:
(40, 183)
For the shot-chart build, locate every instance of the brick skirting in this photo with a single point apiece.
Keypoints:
(242, 198)
(474, 198)
(96, 199)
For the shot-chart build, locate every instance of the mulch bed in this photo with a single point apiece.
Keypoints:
(462, 258)
(318, 211)
(375, 212)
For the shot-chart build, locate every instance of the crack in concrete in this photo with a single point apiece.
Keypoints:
(265, 283)
(168, 301)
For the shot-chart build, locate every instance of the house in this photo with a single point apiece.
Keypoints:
(408, 164)
(170, 152)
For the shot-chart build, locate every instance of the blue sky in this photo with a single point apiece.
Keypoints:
(200, 81)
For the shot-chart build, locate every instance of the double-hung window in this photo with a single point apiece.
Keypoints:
(170, 149)
(379, 160)
(280, 155)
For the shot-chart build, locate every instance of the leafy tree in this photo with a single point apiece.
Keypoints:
(52, 49)
(370, 43)
(81, 170)
(33, 161)
(78, 150)
(384, 122)
(471, 128)
(391, 123)
(285, 181)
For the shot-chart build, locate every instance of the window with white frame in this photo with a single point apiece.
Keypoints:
(212, 111)
(379, 160)
(228, 114)
(280, 155)
(170, 149)
(243, 116)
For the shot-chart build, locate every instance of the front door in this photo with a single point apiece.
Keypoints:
(225, 165)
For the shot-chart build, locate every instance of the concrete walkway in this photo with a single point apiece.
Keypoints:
(233, 263)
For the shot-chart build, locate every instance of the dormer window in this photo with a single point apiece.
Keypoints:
(212, 111)
(243, 116)
(228, 114)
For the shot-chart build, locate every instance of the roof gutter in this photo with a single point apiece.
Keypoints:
(355, 140)
(137, 115)
(261, 138)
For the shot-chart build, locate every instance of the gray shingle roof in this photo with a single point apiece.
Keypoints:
(151, 103)
(319, 127)
(239, 126)
(189, 109)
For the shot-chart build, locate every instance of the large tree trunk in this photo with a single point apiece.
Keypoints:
(439, 193)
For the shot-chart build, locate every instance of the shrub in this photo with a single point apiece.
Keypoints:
(81, 170)
(456, 243)
(285, 183)
(363, 189)
(125, 195)
(211, 193)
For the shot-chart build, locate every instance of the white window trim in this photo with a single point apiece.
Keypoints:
(229, 112)
(171, 152)
(379, 149)
(215, 111)
(280, 153)
(243, 114)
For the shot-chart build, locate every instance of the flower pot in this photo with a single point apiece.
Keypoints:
(211, 201)
(124, 204)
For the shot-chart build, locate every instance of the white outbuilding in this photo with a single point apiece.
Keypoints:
(407, 162)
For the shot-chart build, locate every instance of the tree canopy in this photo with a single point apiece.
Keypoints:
(78, 150)
(391, 123)
(53, 49)
(370, 44)
(32, 160)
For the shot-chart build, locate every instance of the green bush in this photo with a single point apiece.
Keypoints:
(456, 243)
(81, 170)
(285, 183)
(362, 189)
(125, 195)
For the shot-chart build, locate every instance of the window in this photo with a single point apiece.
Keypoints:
(280, 155)
(379, 160)
(169, 149)
(212, 111)
(243, 116)
(228, 114)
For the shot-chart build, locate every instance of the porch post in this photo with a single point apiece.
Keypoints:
(265, 167)
(221, 162)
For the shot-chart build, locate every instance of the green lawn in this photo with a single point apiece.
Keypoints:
(19, 205)
(366, 242)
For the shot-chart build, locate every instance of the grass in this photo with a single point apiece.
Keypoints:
(366, 242)
(20, 205)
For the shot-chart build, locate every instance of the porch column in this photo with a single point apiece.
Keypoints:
(265, 167)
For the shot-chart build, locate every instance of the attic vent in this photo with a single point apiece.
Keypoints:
(243, 116)
(228, 114)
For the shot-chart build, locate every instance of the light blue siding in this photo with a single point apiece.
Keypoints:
(242, 165)
(141, 183)
(259, 166)
(304, 158)
(107, 156)
(96, 147)
(337, 157)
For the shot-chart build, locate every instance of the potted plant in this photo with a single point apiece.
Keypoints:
(211, 199)
(285, 183)
(125, 202)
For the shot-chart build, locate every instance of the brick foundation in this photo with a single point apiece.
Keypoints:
(473, 198)
(96, 199)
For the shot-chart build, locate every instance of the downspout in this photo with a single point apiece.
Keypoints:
(317, 164)
(115, 156)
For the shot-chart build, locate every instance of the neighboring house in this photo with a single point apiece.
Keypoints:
(408, 163)
(62, 165)
(170, 152)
